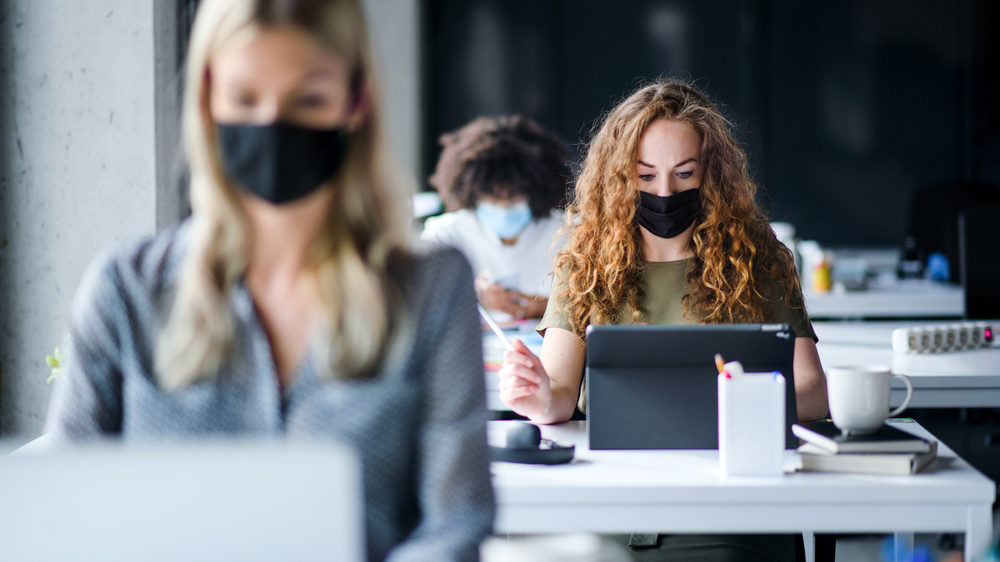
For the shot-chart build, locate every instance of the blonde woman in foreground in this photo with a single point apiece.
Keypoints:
(664, 230)
(290, 302)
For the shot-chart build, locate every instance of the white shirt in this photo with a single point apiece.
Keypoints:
(525, 265)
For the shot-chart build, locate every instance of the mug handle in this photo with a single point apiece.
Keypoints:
(909, 395)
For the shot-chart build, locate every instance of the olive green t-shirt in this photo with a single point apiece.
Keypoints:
(665, 284)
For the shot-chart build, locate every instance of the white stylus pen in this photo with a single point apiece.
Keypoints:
(493, 326)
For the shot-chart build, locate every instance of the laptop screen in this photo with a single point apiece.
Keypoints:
(656, 387)
(204, 500)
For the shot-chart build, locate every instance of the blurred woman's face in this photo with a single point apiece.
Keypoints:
(669, 158)
(280, 74)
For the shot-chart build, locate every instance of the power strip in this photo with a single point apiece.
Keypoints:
(942, 338)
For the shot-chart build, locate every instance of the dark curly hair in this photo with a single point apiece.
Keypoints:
(503, 157)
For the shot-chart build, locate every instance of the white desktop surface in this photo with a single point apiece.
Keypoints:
(954, 379)
(682, 491)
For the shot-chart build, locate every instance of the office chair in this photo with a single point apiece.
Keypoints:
(978, 263)
(934, 212)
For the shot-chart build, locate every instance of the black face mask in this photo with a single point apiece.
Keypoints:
(281, 162)
(667, 217)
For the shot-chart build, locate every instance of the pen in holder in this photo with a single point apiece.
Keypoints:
(752, 424)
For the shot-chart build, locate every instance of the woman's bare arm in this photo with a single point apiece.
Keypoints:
(810, 381)
(544, 389)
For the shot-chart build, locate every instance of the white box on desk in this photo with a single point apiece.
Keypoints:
(752, 424)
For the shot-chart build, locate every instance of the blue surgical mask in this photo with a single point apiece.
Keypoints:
(505, 222)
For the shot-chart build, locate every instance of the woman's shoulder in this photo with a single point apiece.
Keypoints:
(785, 304)
(555, 219)
(450, 223)
(154, 258)
(435, 261)
(557, 215)
(143, 266)
(429, 275)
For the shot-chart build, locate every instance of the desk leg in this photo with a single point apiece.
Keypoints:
(902, 546)
(978, 531)
(809, 545)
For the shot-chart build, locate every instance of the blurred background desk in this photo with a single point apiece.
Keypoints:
(912, 299)
(958, 379)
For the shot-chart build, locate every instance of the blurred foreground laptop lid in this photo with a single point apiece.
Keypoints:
(656, 387)
(203, 500)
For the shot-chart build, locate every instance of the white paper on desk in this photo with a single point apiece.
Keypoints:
(493, 348)
(752, 424)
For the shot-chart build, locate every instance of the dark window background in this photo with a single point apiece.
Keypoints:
(845, 108)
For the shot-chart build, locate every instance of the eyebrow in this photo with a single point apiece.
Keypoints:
(318, 73)
(678, 165)
(248, 82)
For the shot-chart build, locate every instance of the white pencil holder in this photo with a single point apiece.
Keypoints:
(752, 424)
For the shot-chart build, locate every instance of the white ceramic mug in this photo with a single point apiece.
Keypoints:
(859, 397)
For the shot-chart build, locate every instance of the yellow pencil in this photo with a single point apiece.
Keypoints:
(720, 364)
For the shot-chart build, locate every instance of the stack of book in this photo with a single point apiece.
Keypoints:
(887, 451)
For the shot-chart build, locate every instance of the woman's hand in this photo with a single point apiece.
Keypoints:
(498, 297)
(524, 384)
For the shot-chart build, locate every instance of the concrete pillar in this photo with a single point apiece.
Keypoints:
(77, 170)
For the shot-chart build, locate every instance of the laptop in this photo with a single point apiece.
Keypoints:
(656, 387)
(215, 500)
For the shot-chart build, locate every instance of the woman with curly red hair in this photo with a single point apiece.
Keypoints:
(664, 229)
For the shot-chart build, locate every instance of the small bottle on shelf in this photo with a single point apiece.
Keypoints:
(911, 260)
(822, 276)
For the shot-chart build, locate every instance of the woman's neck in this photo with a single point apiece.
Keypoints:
(282, 237)
(667, 249)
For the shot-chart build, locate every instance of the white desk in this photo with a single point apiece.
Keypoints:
(969, 379)
(912, 299)
(683, 492)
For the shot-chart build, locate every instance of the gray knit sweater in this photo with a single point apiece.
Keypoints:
(419, 425)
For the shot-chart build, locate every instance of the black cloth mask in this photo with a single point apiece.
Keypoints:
(281, 162)
(667, 217)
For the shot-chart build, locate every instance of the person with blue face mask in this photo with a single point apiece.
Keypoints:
(503, 181)
(506, 219)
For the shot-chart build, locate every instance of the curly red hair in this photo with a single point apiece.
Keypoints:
(735, 250)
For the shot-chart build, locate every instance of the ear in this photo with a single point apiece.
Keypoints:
(205, 95)
(360, 107)
(205, 88)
